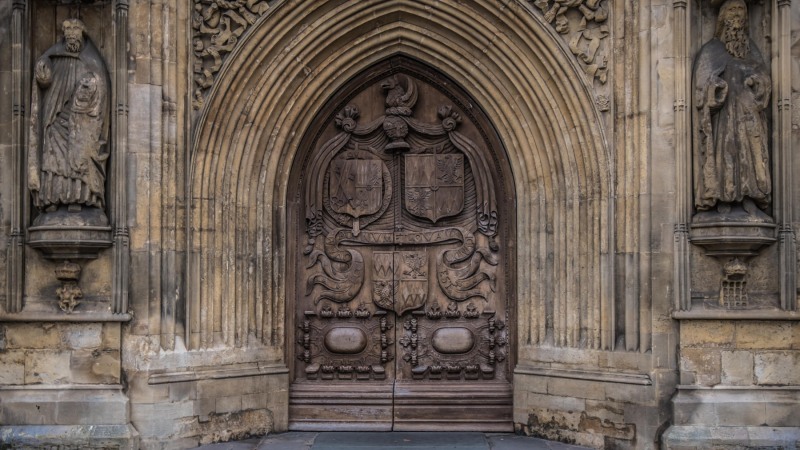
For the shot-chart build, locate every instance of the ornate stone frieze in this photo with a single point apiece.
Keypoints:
(583, 25)
(217, 26)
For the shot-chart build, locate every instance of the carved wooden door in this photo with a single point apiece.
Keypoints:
(401, 280)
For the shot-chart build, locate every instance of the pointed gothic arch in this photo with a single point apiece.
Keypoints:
(248, 135)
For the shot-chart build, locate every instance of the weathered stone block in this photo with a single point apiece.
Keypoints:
(254, 401)
(568, 387)
(707, 333)
(111, 335)
(94, 366)
(737, 368)
(766, 335)
(182, 391)
(629, 393)
(12, 367)
(82, 336)
(705, 364)
(228, 404)
(47, 367)
(33, 336)
(778, 368)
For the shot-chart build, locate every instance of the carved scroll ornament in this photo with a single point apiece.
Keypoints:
(586, 38)
(218, 25)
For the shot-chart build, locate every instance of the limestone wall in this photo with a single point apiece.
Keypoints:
(182, 336)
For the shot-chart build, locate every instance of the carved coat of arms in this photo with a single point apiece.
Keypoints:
(434, 185)
(400, 281)
(356, 186)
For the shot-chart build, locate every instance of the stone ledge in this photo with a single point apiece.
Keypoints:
(724, 438)
(751, 406)
(71, 437)
(218, 373)
(76, 316)
(592, 375)
(67, 407)
(723, 314)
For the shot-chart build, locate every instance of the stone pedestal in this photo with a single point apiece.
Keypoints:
(731, 418)
(83, 417)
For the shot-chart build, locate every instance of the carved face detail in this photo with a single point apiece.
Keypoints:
(732, 28)
(734, 14)
(73, 35)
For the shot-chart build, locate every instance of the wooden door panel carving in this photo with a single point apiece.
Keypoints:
(401, 272)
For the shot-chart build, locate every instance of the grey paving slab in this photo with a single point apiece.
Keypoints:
(401, 440)
(517, 442)
(295, 440)
(246, 444)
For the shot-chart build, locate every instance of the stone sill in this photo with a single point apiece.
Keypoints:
(750, 388)
(60, 387)
(591, 375)
(706, 314)
(217, 373)
(63, 317)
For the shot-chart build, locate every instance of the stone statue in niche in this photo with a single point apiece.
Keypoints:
(69, 124)
(731, 133)
(67, 155)
(732, 181)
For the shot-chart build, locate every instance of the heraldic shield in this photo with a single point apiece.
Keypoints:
(401, 280)
(356, 185)
(434, 185)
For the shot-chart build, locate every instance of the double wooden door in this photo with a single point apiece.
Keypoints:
(401, 267)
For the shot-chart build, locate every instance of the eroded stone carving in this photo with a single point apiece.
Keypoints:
(731, 135)
(69, 124)
(732, 180)
(67, 155)
(218, 25)
(587, 36)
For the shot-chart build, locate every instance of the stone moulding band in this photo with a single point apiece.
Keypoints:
(736, 315)
(217, 374)
(590, 375)
(76, 316)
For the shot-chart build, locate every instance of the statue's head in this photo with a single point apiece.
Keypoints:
(73, 34)
(732, 28)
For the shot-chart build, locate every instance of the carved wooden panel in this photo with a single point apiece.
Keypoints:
(401, 271)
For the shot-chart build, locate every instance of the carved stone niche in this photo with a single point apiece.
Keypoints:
(67, 156)
(730, 133)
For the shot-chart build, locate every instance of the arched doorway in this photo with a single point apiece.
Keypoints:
(401, 260)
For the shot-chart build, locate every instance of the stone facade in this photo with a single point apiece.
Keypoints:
(634, 322)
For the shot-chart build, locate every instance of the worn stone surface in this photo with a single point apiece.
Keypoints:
(593, 104)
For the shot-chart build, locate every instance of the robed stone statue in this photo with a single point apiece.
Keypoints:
(731, 134)
(69, 125)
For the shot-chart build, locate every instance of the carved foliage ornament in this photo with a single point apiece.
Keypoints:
(586, 32)
(217, 26)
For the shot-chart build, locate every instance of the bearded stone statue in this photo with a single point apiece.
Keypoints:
(69, 125)
(731, 133)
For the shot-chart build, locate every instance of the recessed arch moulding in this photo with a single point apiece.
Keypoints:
(513, 65)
